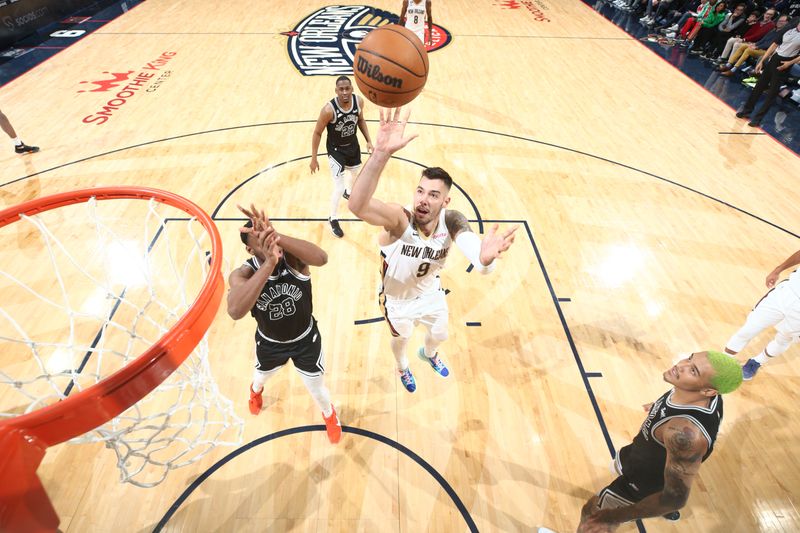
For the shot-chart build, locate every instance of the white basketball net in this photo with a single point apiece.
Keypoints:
(95, 289)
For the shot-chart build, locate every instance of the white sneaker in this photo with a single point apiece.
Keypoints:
(671, 35)
(674, 28)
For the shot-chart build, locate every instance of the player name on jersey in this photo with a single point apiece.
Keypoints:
(424, 252)
(282, 289)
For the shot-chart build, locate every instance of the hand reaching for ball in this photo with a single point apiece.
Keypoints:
(391, 131)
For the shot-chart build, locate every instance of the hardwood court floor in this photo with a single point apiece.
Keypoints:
(655, 230)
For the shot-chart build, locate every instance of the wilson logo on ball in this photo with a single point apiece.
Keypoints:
(373, 72)
(325, 42)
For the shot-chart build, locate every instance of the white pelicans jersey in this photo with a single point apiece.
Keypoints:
(794, 282)
(411, 264)
(415, 17)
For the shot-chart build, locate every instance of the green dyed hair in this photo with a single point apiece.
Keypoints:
(727, 372)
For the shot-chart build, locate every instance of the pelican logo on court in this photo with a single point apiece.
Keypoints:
(325, 42)
(106, 85)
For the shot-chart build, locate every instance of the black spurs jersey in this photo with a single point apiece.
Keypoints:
(283, 309)
(644, 460)
(342, 131)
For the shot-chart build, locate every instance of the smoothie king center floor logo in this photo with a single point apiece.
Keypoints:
(537, 7)
(325, 42)
(118, 88)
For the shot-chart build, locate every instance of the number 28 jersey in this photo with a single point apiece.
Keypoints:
(284, 307)
(411, 264)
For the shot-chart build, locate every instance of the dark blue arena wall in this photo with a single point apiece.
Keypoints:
(21, 18)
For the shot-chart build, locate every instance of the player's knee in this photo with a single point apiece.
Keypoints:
(439, 335)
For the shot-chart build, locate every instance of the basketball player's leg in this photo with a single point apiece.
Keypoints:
(401, 326)
(336, 162)
(766, 313)
(309, 361)
(268, 362)
(617, 494)
(435, 317)
(784, 338)
(350, 176)
(19, 146)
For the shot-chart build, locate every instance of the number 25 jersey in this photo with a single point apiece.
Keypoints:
(411, 264)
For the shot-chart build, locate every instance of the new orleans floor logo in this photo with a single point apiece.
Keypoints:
(324, 43)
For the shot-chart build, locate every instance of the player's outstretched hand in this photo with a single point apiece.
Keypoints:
(391, 130)
(494, 243)
(258, 217)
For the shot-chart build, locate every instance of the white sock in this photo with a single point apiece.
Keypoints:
(260, 378)
(322, 397)
(431, 346)
(16, 141)
(761, 357)
(336, 196)
(399, 345)
(350, 179)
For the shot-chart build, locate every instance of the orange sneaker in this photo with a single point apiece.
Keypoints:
(333, 426)
(256, 401)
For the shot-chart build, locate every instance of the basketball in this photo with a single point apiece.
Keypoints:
(391, 66)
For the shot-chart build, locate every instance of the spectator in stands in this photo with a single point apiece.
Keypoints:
(734, 25)
(752, 35)
(677, 14)
(774, 68)
(753, 49)
(708, 27)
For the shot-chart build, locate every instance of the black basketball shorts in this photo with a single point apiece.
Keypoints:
(306, 354)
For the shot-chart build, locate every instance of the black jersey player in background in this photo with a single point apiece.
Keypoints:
(274, 286)
(340, 116)
(656, 471)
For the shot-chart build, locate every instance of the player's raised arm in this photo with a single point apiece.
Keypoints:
(390, 138)
(246, 284)
(304, 252)
(481, 253)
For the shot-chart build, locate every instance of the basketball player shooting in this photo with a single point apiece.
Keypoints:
(414, 246)
(656, 471)
(274, 286)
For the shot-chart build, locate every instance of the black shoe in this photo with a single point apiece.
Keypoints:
(346, 195)
(335, 228)
(743, 114)
(754, 123)
(25, 149)
(674, 516)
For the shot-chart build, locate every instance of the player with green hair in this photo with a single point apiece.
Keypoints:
(656, 470)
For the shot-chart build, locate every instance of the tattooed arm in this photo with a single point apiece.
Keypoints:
(481, 253)
(685, 449)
